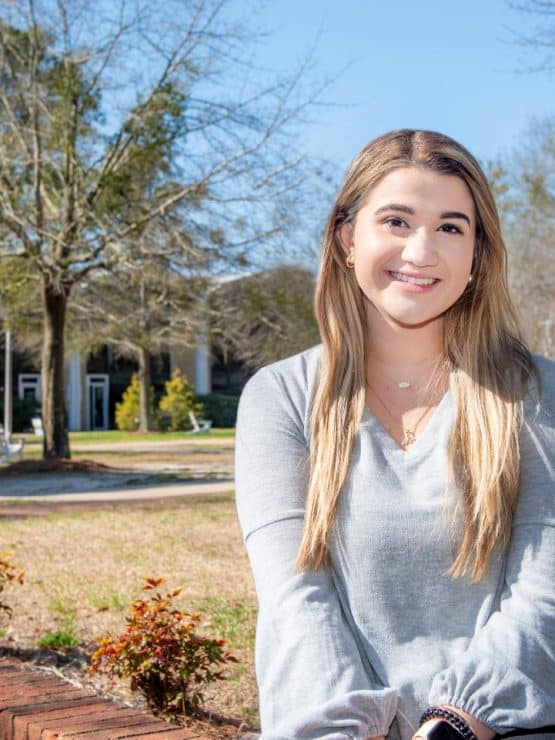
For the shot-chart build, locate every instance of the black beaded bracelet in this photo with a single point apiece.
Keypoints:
(454, 719)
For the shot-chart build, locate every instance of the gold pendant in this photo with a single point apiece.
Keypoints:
(409, 438)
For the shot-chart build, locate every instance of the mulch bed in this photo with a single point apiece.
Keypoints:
(25, 467)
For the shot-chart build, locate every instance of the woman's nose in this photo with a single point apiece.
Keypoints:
(419, 249)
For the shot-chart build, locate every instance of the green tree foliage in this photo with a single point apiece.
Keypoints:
(179, 401)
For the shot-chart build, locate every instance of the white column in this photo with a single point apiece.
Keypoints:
(8, 389)
(74, 391)
(203, 374)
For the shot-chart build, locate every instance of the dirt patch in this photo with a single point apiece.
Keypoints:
(26, 467)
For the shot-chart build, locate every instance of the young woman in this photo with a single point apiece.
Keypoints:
(396, 484)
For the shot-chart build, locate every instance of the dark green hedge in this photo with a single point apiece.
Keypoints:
(22, 413)
(222, 410)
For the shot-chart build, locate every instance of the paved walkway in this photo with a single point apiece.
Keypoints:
(102, 487)
(139, 481)
(122, 494)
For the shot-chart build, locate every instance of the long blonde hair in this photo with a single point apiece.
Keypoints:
(490, 366)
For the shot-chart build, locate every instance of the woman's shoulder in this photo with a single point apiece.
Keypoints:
(292, 376)
(280, 393)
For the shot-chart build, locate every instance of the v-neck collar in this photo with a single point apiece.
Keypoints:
(423, 442)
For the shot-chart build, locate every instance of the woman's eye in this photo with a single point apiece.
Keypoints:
(451, 229)
(395, 222)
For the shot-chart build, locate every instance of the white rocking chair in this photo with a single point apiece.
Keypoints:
(205, 425)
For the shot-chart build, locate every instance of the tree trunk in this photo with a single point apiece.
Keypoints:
(56, 440)
(145, 422)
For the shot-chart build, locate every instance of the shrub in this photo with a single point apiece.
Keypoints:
(128, 410)
(167, 662)
(8, 573)
(23, 410)
(222, 410)
(179, 401)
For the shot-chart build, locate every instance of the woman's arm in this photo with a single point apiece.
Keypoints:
(506, 677)
(312, 679)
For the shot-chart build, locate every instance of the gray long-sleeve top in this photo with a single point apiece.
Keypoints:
(363, 648)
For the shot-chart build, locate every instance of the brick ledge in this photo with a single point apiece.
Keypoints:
(37, 706)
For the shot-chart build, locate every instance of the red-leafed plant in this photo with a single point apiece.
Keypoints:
(167, 662)
(8, 573)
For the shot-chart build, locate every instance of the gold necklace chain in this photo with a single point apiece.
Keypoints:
(407, 383)
(409, 433)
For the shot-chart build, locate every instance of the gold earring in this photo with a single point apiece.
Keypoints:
(350, 261)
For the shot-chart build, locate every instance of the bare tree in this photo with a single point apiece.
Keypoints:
(525, 185)
(541, 42)
(158, 307)
(266, 316)
(527, 178)
(115, 115)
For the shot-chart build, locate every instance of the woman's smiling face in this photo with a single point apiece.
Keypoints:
(413, 245)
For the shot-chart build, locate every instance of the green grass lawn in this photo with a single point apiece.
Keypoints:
(113, 435)
(96, 445)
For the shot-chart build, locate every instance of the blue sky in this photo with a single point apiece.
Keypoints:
(450, 66)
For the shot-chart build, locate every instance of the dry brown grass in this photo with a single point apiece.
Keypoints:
(83, 568)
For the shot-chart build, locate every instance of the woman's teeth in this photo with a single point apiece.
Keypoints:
(414, 280)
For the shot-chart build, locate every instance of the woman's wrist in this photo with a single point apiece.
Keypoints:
(482, 731)
(452, 722)
(437, 729)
